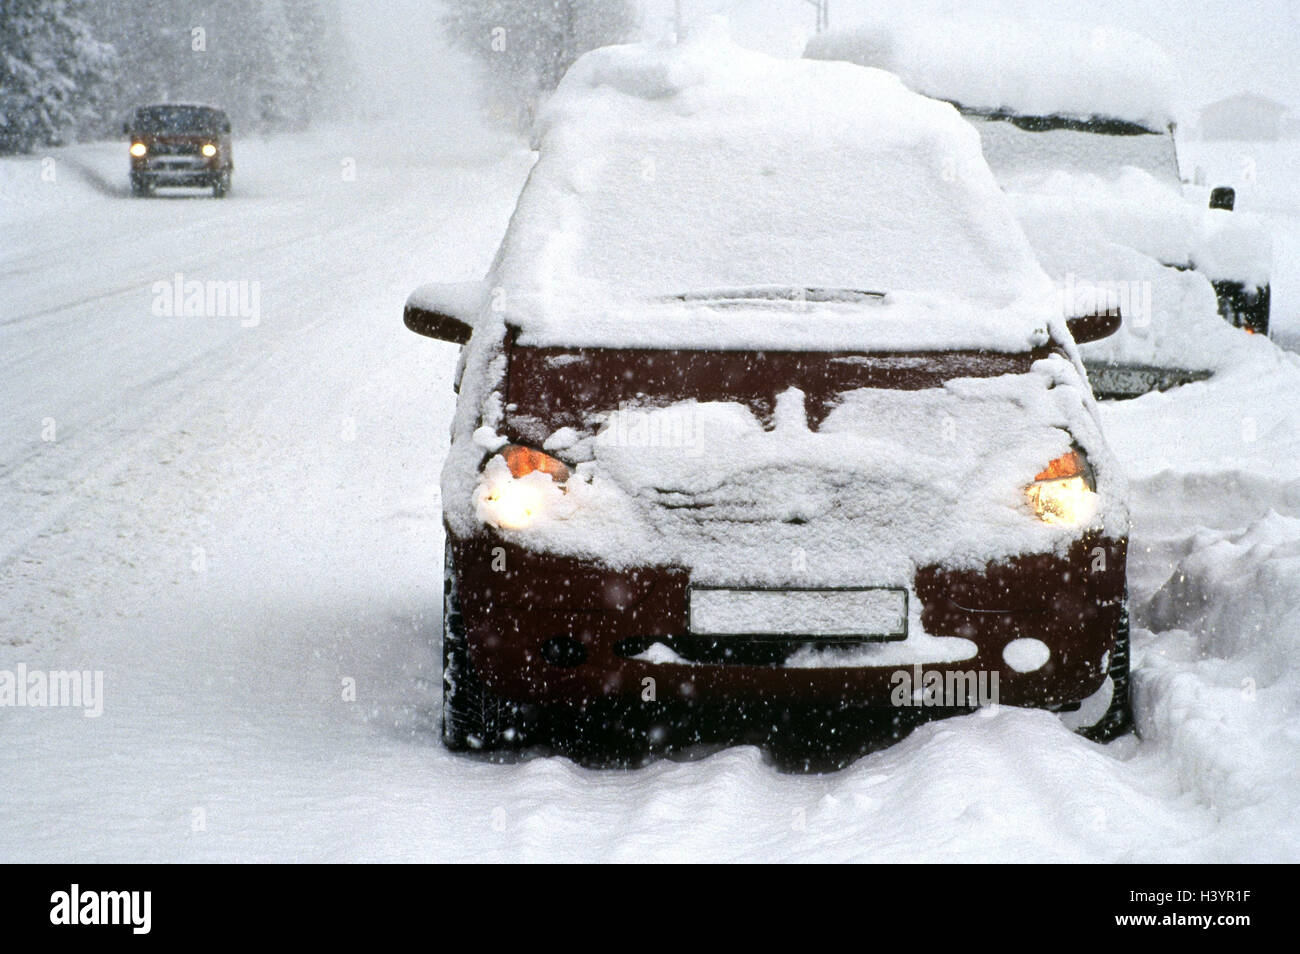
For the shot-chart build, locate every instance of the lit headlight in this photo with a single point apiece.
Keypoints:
(518, 486)
(1063, 493)
(209, 150)
(138, 149)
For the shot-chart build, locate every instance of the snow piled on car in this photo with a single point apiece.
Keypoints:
(801, 174)
(1105, 213)
(1027, 67)
(891, 480)
(669, 171)
(1169, 314)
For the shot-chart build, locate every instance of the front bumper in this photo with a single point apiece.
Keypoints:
(544, 629)
(178, 171)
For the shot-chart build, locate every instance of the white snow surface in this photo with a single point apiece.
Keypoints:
(230, 522)
(1025, 66)
(671, 170)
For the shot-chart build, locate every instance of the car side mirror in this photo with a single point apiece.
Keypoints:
(126, 129)
(445, 312)
(1224, 197)
(225, 127)
(1086, 328)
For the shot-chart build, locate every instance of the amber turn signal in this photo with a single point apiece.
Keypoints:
(1067, 465)
(525, 460)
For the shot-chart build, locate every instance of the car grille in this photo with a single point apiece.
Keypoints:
(764, 497)
(175, 149)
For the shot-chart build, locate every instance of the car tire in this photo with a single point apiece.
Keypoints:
(221, 186)
(473, 718)
(1117, 720)
(140, 187)
(820, 739)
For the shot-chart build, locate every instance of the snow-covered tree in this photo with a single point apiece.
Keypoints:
(52, 73)
(271, 64)
(527, 45)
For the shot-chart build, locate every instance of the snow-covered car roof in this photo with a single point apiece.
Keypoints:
(668, 173)
(1024, 67)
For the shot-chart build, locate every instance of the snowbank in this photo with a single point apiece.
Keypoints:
(674, 170)
(1214, 577)
(1028, 67)
(1220, 684)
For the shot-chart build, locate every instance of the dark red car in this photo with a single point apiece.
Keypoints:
(795, 515)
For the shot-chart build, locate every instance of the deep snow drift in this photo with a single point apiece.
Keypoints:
(240, 528)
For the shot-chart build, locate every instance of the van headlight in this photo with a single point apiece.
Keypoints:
(139, 149)
(518, 486)
(209, 150)
(1064, 493)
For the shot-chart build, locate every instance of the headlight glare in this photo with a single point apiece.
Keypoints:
(1063, 493)
(519, 485)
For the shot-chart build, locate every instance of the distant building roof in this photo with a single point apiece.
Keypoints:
(1243, 116)
(1247, 101)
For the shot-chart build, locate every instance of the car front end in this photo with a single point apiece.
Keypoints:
(179, 147)
(721, 530)
(178, 161)
(767, 409)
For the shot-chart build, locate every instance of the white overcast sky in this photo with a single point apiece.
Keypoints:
(1221, 46)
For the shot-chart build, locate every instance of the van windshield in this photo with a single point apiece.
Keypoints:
(177, 119)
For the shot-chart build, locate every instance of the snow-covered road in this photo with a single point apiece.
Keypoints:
(237, 523)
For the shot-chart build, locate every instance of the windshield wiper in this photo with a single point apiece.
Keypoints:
(780, 293)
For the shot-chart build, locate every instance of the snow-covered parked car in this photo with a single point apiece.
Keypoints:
(180, 145)
(767, 427)
(1077, 125)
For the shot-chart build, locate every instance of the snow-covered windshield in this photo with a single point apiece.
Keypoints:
(1018, 146)
(674, 170)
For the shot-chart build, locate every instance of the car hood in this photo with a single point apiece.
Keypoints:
(890, 480)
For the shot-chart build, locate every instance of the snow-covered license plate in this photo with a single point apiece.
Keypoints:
(873, 612)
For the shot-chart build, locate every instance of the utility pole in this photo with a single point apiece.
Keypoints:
(823, 14)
